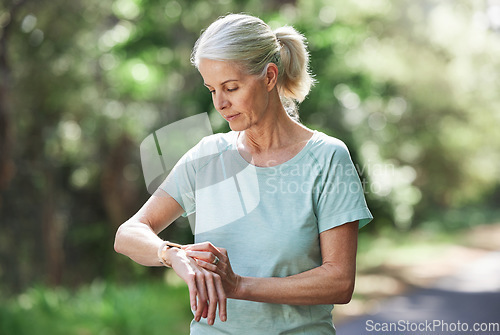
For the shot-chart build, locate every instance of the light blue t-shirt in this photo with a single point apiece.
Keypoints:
(269, 219)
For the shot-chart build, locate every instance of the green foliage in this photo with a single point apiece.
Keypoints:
(397, 83)
(99, 308)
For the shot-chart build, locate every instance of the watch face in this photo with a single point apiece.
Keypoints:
(173, 245)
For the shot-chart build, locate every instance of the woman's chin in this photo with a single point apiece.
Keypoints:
(235, 126)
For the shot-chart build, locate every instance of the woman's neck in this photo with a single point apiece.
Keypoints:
(274, 139)
(271, 133)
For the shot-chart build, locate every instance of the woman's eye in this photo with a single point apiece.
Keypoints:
(212, 91)
(232, 89)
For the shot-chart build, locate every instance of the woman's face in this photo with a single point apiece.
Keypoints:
(240, 98)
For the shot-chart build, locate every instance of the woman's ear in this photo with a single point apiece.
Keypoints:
(271, 76)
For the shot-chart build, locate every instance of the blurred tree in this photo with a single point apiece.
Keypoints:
(412, 86)
(6, 164)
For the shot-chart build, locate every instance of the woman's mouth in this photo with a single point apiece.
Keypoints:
(231, 117)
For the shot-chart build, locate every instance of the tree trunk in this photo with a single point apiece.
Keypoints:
(6, 162)
(120, 196)
(53, 232)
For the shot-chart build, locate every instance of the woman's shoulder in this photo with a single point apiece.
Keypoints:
(212, 145)
(207, 149)
(327, 143)
(218, 142)
(326, 150)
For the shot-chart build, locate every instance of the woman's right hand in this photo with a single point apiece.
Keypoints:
(205, 287)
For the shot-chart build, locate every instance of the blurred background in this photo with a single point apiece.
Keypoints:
(410, 86)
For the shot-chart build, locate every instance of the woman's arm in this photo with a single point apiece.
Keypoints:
(138, 239)
(330, 283)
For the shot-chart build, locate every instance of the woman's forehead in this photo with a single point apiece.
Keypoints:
(216, 72)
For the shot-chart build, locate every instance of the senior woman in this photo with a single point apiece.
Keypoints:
(277, 205)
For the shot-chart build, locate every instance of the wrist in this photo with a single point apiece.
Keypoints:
(165, 252)
(240, 288)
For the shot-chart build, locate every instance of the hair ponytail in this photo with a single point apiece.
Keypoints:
(295, 80)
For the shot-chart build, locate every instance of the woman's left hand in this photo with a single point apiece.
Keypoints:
(215, 260)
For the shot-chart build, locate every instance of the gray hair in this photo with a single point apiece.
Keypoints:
(250, 42)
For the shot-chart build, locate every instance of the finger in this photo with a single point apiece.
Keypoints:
(205, 246)
(192, 295)
(205, 312)
(212, 298)
(202, 296)
(205, 256)
(222, 299)
(207, 266)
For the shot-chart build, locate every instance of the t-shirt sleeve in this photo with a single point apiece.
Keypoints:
(180, 183)
(341, 197)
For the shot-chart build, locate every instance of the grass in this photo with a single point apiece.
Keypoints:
(99, 308)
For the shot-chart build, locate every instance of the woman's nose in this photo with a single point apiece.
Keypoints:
(220, 102)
